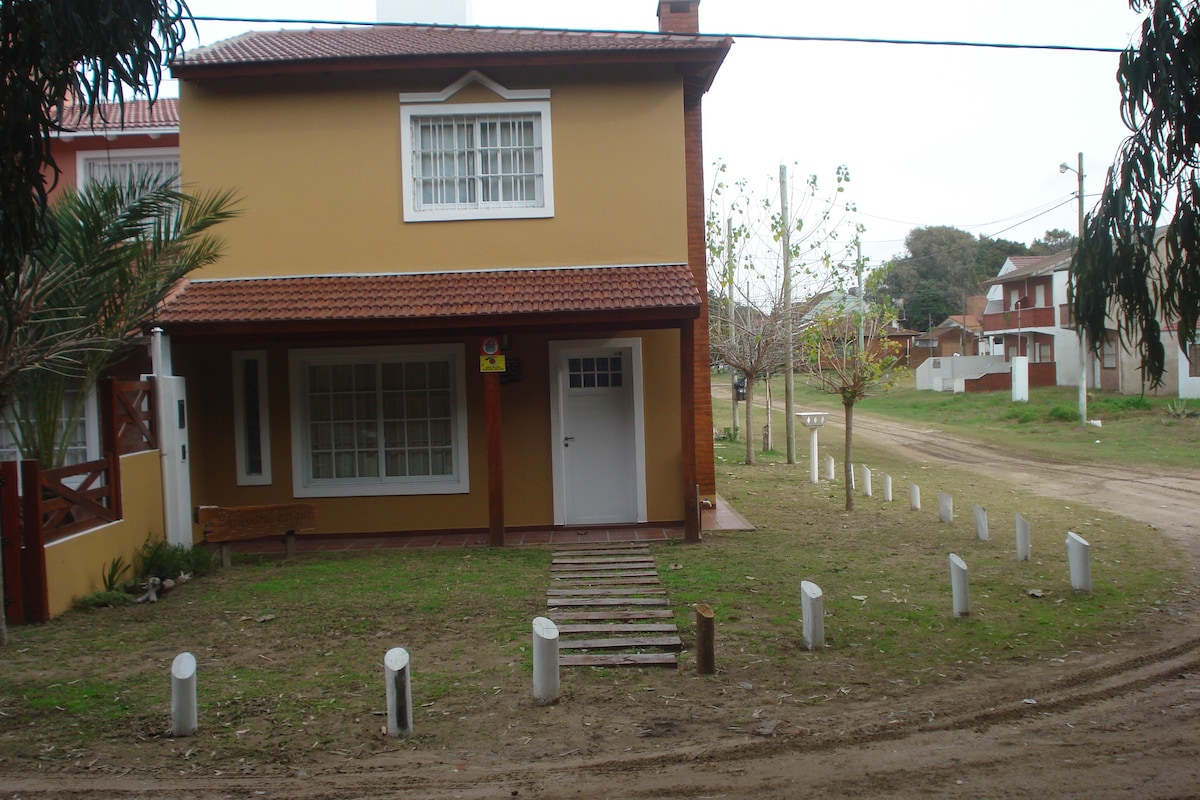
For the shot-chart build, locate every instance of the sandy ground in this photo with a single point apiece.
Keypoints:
(1117, 723)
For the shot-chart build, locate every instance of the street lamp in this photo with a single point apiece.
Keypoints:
(1064, 168)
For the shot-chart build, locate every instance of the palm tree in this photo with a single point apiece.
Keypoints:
(75, 307)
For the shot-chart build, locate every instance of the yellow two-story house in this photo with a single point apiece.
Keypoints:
(467, 289)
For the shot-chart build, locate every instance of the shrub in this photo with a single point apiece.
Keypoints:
(1063, 413)
(1020, 413)
(158, 559)
(114, 573)
(106, 599)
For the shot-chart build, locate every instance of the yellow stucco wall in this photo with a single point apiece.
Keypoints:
(525, 410)
(319, 173)
(74, 565)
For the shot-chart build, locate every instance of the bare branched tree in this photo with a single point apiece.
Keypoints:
(752, 316)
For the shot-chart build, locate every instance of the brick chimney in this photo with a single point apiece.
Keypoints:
(679, 16)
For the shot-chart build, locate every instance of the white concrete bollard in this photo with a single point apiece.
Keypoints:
(853, 485)
(945, 507)
(397, 674)
(914, 497)
(813, 455)
(545, 661)
(812, 608)
(829, 467)
(981, 526)
(958, 586)
(1022, 538)
(1079, 558)
(184, 717)
(866, 481)
(887, 488)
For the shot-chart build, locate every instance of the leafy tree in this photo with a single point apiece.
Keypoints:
(118, 249)
(1155, 176)
(1055, 241)
(943, 266)
(837, 364)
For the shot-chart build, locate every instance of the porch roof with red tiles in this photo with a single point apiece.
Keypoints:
(403, 46)
(649, 294)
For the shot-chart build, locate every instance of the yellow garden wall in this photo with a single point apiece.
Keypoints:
(74, 565)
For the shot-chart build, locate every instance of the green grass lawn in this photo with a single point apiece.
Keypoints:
(1135, 429)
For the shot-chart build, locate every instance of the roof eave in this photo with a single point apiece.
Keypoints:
(702, 62)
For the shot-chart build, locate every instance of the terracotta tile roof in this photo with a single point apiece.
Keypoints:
(447, 297)
(138, 116)
(322, 47)
(1033, 266)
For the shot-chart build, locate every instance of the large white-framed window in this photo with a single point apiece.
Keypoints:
(379, 421)
(251, 422)
(122, 165)
(477, 161)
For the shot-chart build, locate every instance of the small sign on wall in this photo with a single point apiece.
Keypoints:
(490, 357)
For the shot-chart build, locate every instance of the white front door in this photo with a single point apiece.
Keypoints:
(596, 430)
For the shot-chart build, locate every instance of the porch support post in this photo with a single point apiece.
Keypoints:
(495, 451)
(687, 431)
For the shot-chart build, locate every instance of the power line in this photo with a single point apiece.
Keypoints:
(778, 37)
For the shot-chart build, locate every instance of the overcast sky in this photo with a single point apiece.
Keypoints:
(931, 135)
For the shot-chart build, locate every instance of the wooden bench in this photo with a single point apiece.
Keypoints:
(226, 525)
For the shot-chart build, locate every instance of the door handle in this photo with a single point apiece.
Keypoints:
(567, 440)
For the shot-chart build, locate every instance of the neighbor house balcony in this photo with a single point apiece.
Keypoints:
(1024, 319)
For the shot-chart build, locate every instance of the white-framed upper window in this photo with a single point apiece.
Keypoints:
(379, 421)
(122, 165)
(1039, 295)
(251, 422)
(477, 161)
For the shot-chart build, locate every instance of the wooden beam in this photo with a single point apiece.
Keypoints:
(495, 451)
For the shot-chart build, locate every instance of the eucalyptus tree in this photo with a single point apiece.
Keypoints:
(1149, 274)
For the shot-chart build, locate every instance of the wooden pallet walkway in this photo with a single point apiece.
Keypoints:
(610, 609)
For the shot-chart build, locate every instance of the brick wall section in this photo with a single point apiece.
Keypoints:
(698, 260)
(683, 16)
(679, 16)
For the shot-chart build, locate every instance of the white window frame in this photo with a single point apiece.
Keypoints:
(303, 485)
(1039, 295)
(136, 155)
(419, 105)
(91, 432)
(244, 476)
(412, 115)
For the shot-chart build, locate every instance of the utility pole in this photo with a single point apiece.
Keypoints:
(730, 320)
(789, 370)
(862, 304)
(1082, 343)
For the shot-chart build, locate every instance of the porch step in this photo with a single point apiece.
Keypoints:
(620, 660)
